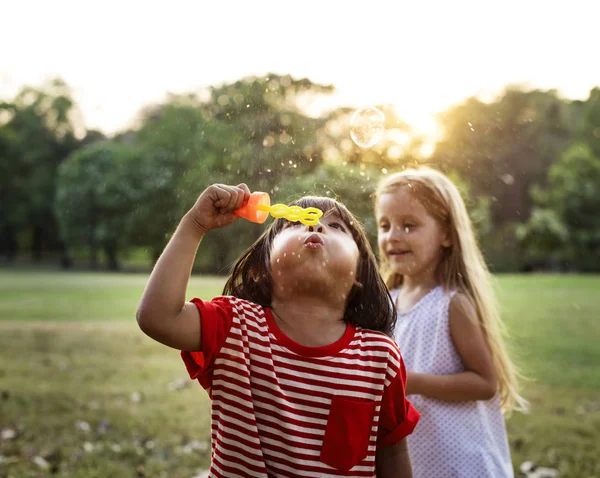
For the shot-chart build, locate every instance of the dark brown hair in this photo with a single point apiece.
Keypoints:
(368, 305)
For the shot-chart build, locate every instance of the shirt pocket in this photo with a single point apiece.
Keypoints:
(348, 432)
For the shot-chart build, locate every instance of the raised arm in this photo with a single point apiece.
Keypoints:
(163, 313)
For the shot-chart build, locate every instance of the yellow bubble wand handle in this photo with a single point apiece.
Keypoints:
(258, 207)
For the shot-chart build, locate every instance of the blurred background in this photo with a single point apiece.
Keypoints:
(114, 117)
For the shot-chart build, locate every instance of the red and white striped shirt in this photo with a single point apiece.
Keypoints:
(283, 409)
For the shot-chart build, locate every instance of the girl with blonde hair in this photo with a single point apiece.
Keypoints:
(459, 374)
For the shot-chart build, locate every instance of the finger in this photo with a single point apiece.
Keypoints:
(233, 194)
(244, 188)
(222, 196)
(244, 195)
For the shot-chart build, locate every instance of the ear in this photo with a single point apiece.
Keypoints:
(446, 238)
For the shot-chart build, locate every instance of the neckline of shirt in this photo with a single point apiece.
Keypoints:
(417, 304)
(322, 351)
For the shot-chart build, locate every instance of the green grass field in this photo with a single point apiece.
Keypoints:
(84, 393)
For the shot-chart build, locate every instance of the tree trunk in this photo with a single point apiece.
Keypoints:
(93, 256)
(37, 243)
(9, 245)
(66, 261)
(92, 244)
(111, 256)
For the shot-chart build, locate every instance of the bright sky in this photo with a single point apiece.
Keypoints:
(421, 55)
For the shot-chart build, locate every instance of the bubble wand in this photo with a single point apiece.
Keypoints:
(258, 207)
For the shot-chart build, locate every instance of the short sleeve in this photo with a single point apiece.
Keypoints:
(216, 318)
(398, 417)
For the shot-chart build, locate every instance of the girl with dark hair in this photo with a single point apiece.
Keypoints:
(296, 355)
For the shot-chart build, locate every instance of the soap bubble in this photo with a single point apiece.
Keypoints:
(367, 126)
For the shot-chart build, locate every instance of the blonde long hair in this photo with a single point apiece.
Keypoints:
(462, 267)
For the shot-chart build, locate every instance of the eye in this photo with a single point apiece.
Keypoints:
(408, 227)
(337, 225)
(289, 224)
(384, 226)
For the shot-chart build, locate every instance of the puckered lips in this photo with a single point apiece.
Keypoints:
(314, 241)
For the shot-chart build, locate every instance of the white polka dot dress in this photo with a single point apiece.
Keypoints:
(452, 439)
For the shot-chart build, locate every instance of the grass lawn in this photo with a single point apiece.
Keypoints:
(84, 393)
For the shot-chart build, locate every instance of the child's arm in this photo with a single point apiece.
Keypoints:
(394, 461)
(397, 420)
(478, 382)
(163, 313)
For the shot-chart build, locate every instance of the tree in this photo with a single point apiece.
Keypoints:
(398, 146)
(37, 132)
(99, 190)
(589, 130)
(252, 131)
(505, 147)
(570, 206)
(182, 151)
(277, 137)
(545, 238)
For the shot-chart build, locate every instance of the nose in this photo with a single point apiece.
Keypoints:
(317, 228)
(395, 233)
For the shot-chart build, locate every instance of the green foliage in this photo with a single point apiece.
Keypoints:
(250, 131)
(590, 128)
(37, 131)
(397, 147)
(271, 136)
(504, 147)
(257, 130)
(98, 192)
(573, 199)
(176, 145)
(544, 237)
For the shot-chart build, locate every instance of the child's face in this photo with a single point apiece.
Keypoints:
(324, 255)
(408, 236)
